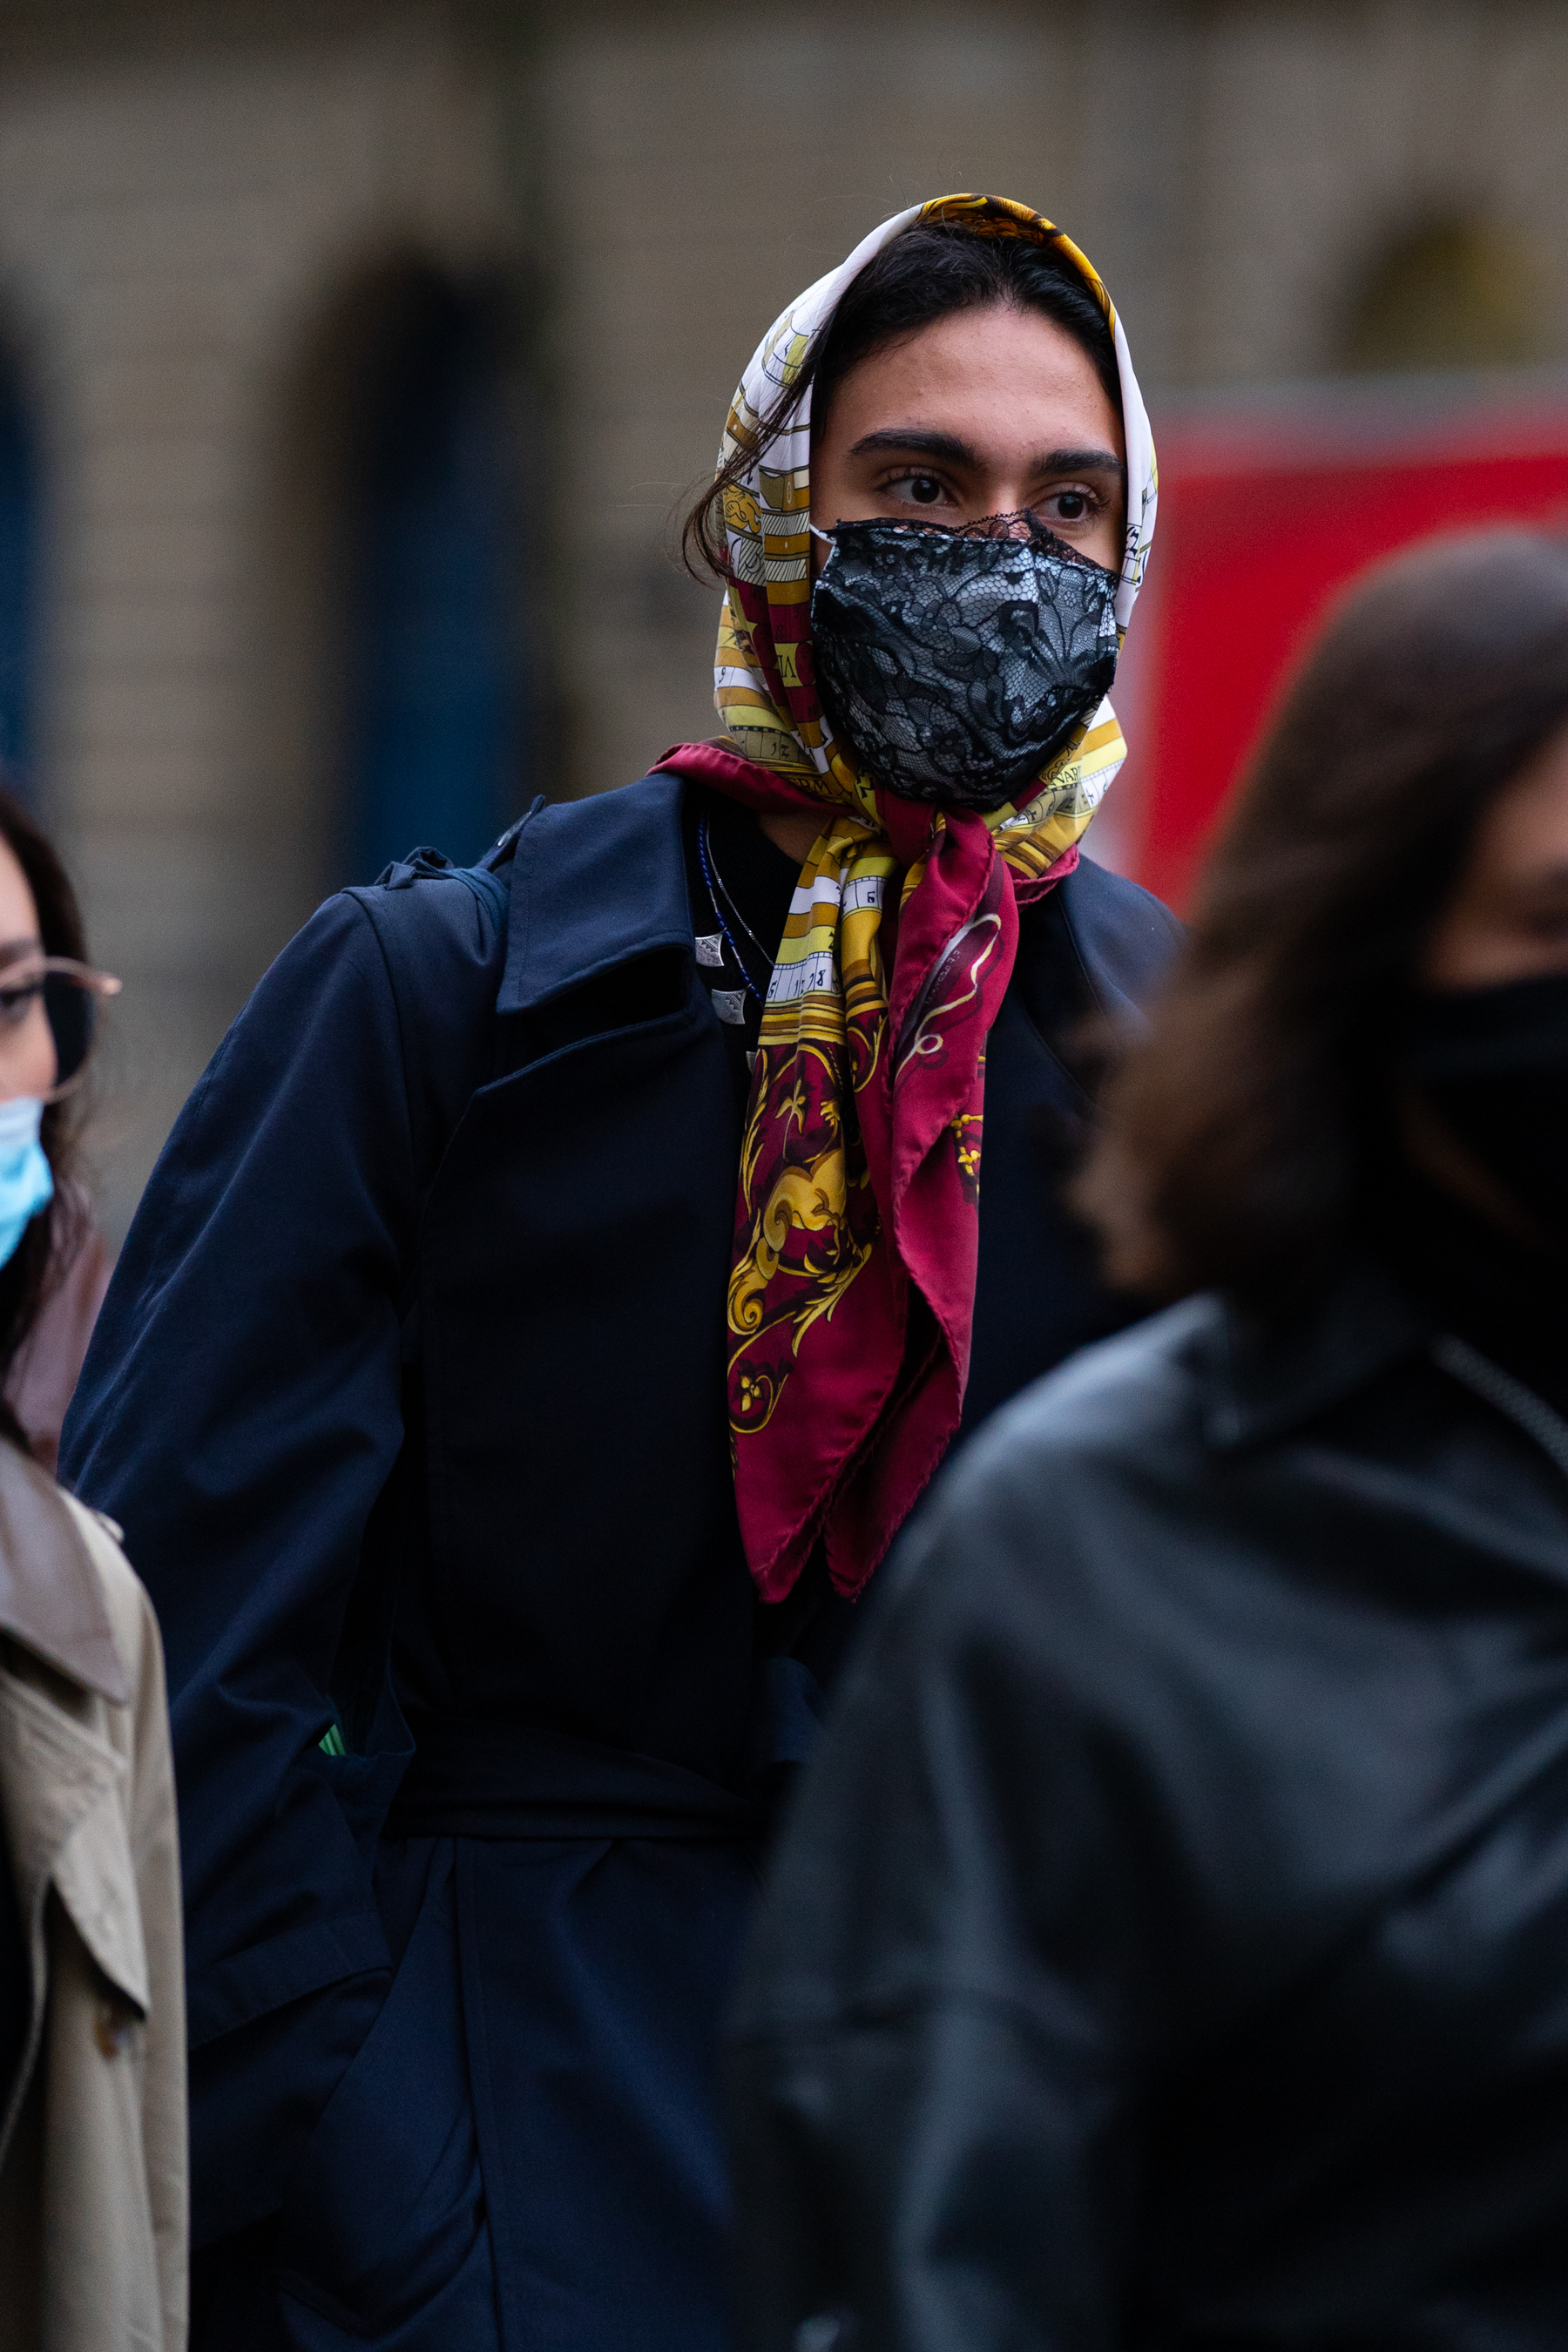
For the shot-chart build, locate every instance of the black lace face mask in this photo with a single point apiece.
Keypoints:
(957, 662)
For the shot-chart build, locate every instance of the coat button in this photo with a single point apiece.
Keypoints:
(110, 2029)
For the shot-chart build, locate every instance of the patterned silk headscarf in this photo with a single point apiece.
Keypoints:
(852, 1289)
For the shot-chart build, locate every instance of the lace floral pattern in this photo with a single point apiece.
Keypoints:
(957, 661)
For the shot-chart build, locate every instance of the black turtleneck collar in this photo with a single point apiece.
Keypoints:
(753, 883)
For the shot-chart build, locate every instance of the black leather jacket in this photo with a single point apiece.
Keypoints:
(1170, 1948)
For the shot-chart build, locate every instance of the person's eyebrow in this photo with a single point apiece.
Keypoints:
(1081, 461)
(12, 950)
(921, 442)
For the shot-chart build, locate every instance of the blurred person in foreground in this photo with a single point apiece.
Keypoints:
(1168, 1950)
(418, 1384)
(92, 2041)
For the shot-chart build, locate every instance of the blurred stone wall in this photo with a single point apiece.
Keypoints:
(180, 201)
(193, 199)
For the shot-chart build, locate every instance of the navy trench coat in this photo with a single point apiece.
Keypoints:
(408, 1394)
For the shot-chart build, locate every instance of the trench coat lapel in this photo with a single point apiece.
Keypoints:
(60, 1781)
(59, 1786)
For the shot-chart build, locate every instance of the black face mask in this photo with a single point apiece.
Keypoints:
(1493, 1064)
(957, 662)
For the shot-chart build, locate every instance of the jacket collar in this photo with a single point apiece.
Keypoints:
(51, 1597)
(59, 1783)
(593, 883)
(1264, 1376)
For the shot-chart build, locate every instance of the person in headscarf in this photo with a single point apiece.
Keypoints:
(557, 1293)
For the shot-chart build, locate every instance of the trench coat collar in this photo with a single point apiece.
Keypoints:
(59, 1778)
(594, 883)
(58, 1784)
(1266, 1377)
(51, 1597)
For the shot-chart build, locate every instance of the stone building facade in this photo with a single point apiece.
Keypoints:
(209, 214)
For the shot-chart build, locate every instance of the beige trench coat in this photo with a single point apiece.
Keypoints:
(92, 2142)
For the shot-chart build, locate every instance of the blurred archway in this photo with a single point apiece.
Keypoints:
(432, 724)
(398, 570)
(1446, 293)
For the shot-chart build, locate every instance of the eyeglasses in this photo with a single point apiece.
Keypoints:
(69, 992)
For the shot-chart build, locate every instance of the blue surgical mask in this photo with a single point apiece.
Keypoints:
(25, 1183)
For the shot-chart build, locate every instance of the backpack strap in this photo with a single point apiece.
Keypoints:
(429, 865)
(485, 880)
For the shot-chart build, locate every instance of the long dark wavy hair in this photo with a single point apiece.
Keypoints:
(930, 272)
(55, 1234)
(1241, 1135)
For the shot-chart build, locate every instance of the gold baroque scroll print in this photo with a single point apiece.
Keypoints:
(807, 1218)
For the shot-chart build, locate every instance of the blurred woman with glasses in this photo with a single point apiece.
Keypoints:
(1168, 1950)
(61, 1268)
(92, 2108)
(54, 1265)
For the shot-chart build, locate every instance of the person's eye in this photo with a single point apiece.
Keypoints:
(918, 491)
(1073, 503)
(15, 1000)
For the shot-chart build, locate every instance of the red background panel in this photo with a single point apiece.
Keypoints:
(1253, 537)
